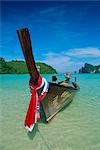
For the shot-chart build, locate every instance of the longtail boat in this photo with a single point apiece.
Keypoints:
(57, 96)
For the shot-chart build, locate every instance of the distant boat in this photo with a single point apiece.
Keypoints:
(58, 96)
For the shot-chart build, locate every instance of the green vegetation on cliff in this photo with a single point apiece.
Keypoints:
(19, 67)
(88, 68)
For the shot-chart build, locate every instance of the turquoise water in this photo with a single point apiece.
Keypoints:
(75, 128)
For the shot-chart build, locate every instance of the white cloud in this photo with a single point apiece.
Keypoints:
(59, 61)
(84, 52)
(53, 10)
(73, 59)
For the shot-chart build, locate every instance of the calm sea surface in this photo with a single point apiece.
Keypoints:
(75, 128)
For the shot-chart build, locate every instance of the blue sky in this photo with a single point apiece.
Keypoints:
(64, 34)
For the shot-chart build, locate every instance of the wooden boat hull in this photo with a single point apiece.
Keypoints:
(57, 98)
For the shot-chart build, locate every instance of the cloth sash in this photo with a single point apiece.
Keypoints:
(31, 116)
(30, 119)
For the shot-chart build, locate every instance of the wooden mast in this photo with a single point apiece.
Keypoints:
(24, 38)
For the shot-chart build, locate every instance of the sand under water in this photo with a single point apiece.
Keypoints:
(77, 127)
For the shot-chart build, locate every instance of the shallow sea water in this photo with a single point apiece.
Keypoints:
(77, 127)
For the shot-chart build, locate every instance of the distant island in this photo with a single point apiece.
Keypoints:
(19, 67)
(88, 68)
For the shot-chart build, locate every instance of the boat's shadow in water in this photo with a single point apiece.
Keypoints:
(32, 134)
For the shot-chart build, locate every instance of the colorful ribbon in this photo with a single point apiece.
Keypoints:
(33, 110)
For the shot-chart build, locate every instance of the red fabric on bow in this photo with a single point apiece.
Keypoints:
(31, 119)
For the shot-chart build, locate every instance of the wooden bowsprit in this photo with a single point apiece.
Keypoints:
(35, 82)
(25, 42)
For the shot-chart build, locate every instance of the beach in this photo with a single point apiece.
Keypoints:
(77, 127)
